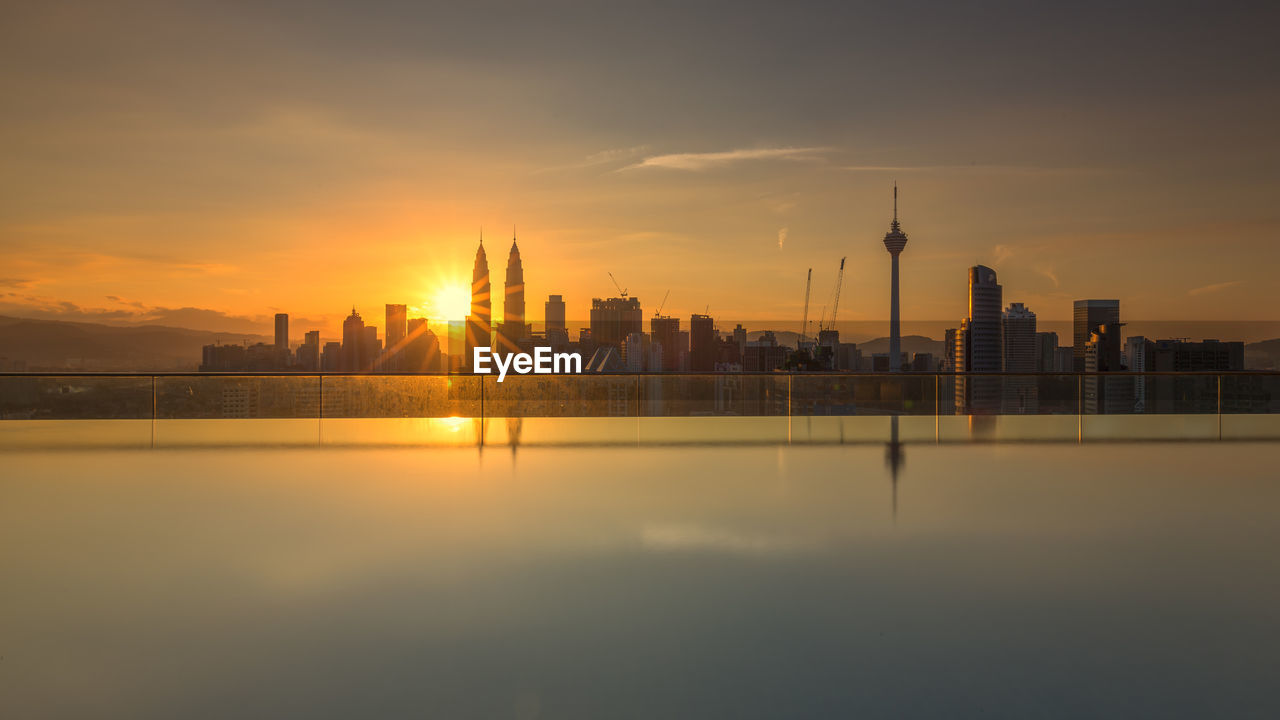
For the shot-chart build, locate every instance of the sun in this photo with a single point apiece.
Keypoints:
(450, 302)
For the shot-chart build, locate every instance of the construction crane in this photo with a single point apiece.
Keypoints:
(658, 312)
(835, 302)
(621, 291)
(804, 322)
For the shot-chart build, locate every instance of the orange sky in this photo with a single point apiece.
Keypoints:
(197, 167)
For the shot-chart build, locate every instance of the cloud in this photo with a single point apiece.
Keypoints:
(978, 168)
(604, 157)
(1215, 287)
(782, 237)
(706, 161)
(1002, 253)
(1048, 272)
(42, 308)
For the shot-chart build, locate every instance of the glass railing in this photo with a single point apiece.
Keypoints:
(289, 395)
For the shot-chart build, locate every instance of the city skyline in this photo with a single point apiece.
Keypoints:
(344, 160)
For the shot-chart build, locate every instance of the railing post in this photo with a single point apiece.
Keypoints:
(790, 377)
(1079, 407)
(1219, 407)
(937, 408)
(153, 411)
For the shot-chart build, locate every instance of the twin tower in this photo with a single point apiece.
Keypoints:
(480, 328)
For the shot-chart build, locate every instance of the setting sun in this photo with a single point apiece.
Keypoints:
(450, 302)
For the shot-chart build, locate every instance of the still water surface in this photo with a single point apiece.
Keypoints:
(1014, 580)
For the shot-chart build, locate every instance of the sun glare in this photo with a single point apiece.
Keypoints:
(450, 302)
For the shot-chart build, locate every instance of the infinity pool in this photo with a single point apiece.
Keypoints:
(748, 580)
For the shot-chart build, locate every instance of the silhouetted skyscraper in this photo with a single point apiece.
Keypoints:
(480, 321)
(978, 343)
(665, 332)
(555, 316)
(1020, 355)
(1087, 317)
(397, 331)
(703, 343)
(613, 319)
(309, 351)
(513, 328)
(352, 337)
(282, 331)
(895, 241)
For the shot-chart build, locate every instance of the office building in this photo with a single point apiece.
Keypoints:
(1018, 337)
(703, 341)
(479, 327)
(555, 315)
(397, 331)
(370, 348)
(1087, 317)
(613, 319)
(421, 349)
(513, 328)
(1106, 395)
(352, 338)
(282, 331)
(979, 346)
(308, 355)
(665, 332)
(1047, 352)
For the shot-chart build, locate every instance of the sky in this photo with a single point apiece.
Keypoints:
(209, 164)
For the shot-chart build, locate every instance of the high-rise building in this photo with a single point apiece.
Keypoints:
(308, 357)
(555, 313)
(1087, 317)
(352, 337)
(370, 347)
(480, 321)
(978, 343)
(703, 343)
(1047, 352)
(1105, 394)
(513, 328)
(1018, 337)
(397, 331)
(458, 345)
(665, 331)
(331, 357)
(613, 319)
(635, 352)
(895, 241)
(1135, 360)
(282, 331)
(422, 348)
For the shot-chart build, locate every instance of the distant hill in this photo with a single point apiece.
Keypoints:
(56, 345)
(1263, 355)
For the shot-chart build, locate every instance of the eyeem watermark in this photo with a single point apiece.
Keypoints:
(541, 362)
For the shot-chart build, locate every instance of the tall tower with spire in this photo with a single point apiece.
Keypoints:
(480, 321)
(895, 241)
(513, 303)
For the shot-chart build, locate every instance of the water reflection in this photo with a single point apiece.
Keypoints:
(695, 580)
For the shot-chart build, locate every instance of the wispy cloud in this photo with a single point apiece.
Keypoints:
(604, 157)
(1049, 272)
(1002, 253)
(978, 168)
(706, 161)
(1215, 287)
(782, 237)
